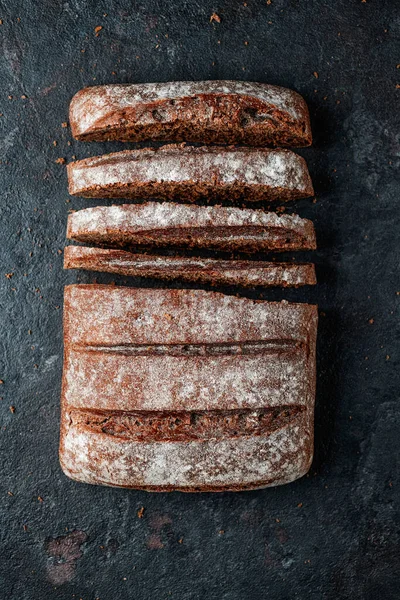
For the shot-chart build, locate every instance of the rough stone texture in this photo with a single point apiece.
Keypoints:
(332, 535)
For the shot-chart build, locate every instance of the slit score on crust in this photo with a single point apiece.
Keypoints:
(187, 172)
(221, 112)
(207, 271)
(238, 375)
(184, 425)
(167, 224)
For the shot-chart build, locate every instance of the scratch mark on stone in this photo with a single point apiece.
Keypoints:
(8, 141)
(49, 363)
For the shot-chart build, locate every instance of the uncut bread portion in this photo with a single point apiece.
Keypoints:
(168, 224)
(245, 273)
(185, 390)
(221, 112)
(190, 173)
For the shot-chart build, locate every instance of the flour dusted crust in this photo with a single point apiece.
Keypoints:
(190, 226)
(179, 171)
(245, 273)
(227, 112)
(186, 390)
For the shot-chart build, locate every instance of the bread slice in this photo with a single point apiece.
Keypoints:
(179, 171)
(220, 112)
(153, 225)
(185, 390)
(246, 273)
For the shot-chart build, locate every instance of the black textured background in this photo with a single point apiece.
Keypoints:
(335, 533)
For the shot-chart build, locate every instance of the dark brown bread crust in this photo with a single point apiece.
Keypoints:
(220, 112)
(245, 273)
(179, 171)
(185, 390)
(153, 225)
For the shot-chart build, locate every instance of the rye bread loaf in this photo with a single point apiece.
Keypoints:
(186, 172)
(168, 224)
(220, 112)
(246, 273)
(185, 390)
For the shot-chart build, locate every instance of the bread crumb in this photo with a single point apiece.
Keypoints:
(60, 161)
(387, 357)
(370, 321)
(40, 498)
(1, 382)
(315, 74)
(97, 30)
(246, 43)
(300, 504)
(140, 512)
(215, 17)
(180, 541)
(12, 409)
(54, 143)
(10, 493)
(9, 275)
(64, 125)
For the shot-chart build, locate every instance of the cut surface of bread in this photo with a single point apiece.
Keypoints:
(168, 224)
(246, 273)
(190, 173)
(220, 112)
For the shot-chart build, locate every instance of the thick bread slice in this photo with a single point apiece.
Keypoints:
(179, 171)
(190, 226)
(246, 273)
(221, 112)
(186, 390)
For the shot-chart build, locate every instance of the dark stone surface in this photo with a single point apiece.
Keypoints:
(331, 535)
